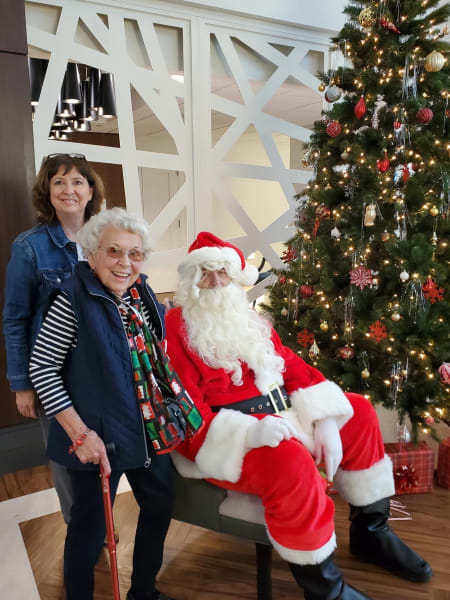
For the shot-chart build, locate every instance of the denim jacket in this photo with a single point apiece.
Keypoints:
(41, 259)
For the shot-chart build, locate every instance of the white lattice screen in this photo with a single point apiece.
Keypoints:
(228, 137)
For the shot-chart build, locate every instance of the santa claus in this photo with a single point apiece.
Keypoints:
(266, 415)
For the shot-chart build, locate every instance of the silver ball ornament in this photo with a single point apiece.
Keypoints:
(333, 93)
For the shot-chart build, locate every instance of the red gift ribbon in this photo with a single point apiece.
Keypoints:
(405, 478)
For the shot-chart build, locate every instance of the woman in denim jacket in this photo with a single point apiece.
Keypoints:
(66, 193)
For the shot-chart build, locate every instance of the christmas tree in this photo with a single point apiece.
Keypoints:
(364, 296)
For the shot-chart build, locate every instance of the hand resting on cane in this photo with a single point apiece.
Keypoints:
(92, 449)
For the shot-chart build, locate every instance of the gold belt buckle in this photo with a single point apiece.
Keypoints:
(272, 388)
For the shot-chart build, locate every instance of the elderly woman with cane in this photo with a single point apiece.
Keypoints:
(97, 367)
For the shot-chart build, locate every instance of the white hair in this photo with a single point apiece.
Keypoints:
(225, 332)
(119, 218)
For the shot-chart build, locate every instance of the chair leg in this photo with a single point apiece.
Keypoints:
(263, 571)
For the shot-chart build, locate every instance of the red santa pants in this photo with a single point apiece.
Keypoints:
(298, 512)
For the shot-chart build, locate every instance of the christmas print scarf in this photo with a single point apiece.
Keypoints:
(168, 412)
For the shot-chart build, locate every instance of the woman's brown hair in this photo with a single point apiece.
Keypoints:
(41, 189)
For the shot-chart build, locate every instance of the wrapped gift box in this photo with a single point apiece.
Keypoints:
(443, 470)
(413, 467)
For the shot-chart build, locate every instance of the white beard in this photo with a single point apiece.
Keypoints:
(224, 331)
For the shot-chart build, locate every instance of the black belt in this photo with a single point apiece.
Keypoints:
(274, 402)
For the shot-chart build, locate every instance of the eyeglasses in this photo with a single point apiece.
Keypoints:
(58, 154)
(134, 255)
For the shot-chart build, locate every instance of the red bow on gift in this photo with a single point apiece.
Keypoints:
(405, 478)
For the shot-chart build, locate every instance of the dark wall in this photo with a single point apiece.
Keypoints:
(16, 160)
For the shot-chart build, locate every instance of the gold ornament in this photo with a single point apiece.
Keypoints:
(385, 236)
(324, 326)
(434, 211)
(321, 87)
(396, 316)
(365, 373)
(367, 17)
(434, 62)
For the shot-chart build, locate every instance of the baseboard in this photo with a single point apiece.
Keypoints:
(21, 447)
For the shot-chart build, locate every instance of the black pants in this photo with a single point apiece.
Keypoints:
(152, 489)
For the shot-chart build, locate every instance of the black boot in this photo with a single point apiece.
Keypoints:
(324, 582)
(373, 540)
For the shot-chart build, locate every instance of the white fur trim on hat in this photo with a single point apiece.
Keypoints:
(216, 254)
(305, 557)
(223, 451)
(367, 485)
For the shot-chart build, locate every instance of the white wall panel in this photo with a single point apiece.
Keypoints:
(258, 79)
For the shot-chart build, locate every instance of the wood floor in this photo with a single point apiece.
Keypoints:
(203, 565)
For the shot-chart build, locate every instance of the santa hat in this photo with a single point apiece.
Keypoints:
(208, 248)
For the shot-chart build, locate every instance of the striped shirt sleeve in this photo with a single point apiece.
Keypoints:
(56, 337)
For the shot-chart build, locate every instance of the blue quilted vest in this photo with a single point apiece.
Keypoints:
(98, 374)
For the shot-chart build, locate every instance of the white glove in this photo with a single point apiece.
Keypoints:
(328, 445)
(269, 431)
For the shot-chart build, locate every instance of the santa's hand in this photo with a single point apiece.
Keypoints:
(270, 431)
(328, 445)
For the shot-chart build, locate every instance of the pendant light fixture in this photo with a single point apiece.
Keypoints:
(37, 68)
(80, 101)
(82, 110)
(64, 110)
(94, 88)
(107, 96)
(72, 84)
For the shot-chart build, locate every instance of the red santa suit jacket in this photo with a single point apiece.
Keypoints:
(218, 450)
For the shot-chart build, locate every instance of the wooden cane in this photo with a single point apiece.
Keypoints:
(109, 521)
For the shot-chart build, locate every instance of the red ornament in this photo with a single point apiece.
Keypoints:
(432, 291)
(346, 353)
(405, 175)
(377, 331)
(424, 115)
(322, 212)
(289, 255)
(429, 420)
(305, 338)
(388, 25)
(444, 372)
(360, 108)
(397, 124)
(282, 279)
(334, 128)
(447, 113)
(383, 165)
(361, 277)
(305, 290)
